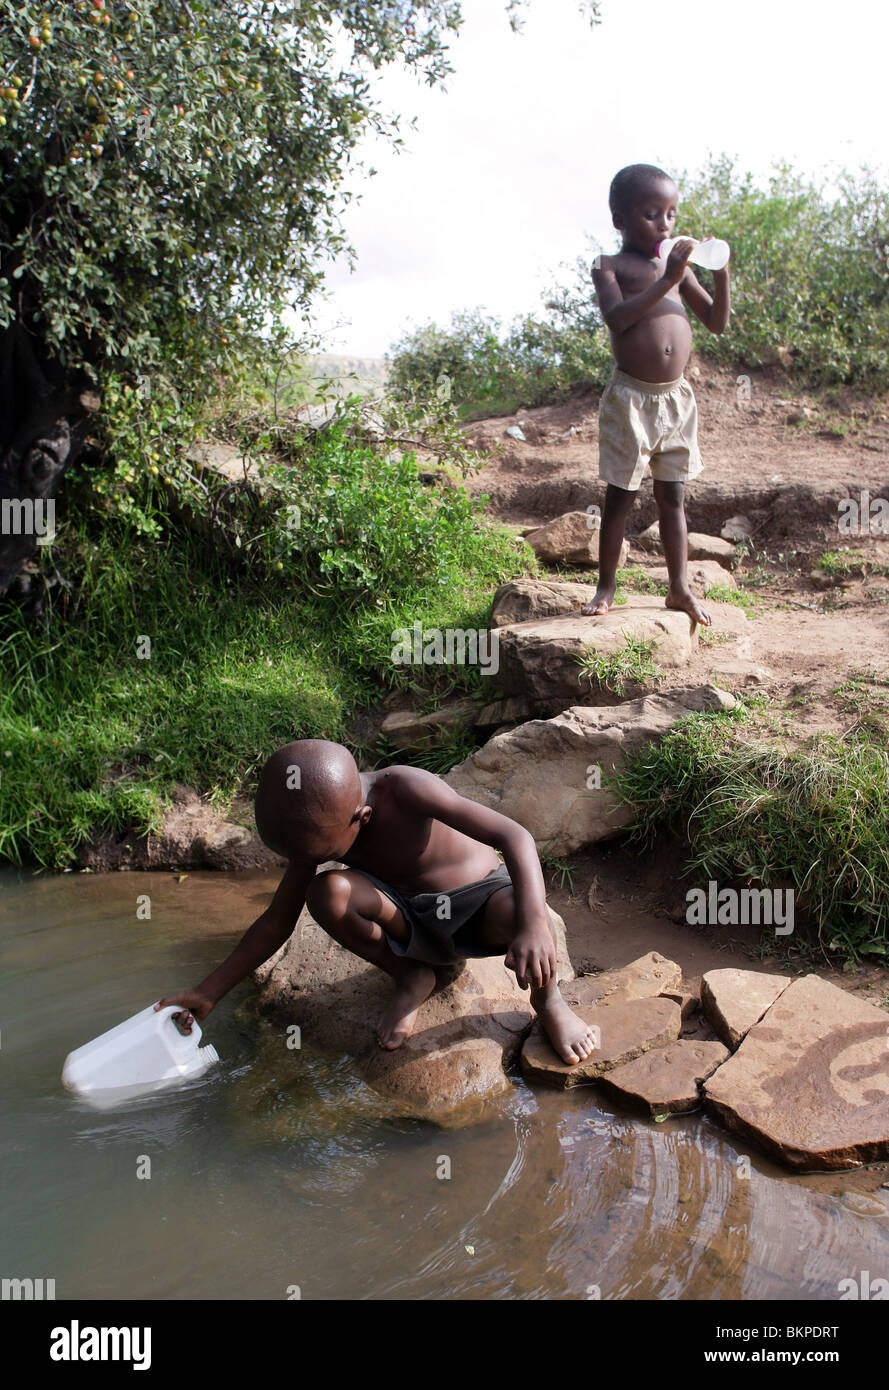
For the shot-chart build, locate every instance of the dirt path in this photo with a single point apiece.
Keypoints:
(786, 456)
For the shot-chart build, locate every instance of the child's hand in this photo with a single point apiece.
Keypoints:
(533, 958)
(197, 1006)
(677, 260)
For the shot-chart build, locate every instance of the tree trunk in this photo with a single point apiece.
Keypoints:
(44, 421)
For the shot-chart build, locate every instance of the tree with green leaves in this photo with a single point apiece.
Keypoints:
(171, 178)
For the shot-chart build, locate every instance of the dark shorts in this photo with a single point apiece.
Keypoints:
(444, 926)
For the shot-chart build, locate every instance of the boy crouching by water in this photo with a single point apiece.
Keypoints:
(412, 847)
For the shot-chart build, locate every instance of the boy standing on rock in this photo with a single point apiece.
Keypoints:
(423, 886)
(647, 414)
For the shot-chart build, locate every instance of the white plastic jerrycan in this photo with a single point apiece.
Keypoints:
(712, 254)
(142, 1055)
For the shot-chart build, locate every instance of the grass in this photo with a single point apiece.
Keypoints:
(638, 580)
(631, 664)
(452, 746)
(862, 691)
(848, 564)
(722, 593)
(97, 728)
(554, 864)
(754, 812)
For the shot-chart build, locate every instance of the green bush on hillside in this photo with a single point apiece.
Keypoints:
(809, 269)
(485, 366)
(810, 286)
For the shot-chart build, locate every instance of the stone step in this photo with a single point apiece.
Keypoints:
(626, 1029)
(539, 660)
(668, 1079)
(733, 1000)
(570, 755)
(810, 1081)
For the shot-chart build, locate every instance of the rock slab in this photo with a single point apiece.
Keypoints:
(568, 755)
(810, 1081)
(570, 539)
(466, 1032)
(667, 1080)
(539, 659)
(645, 978)
(626, 1028)
(733, 1000)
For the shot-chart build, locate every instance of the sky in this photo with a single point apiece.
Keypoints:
(507, 172)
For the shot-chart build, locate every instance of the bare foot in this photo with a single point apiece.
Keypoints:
(415, 985)
(600, 602)
(569, 1036)
(687, 603)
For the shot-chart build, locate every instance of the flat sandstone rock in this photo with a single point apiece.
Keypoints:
(539, 659)
(645, 978)
(667, 1079)
(627, 1028)
(508, 772)
(466, 1032)
(733, 1000)
(810, 1082)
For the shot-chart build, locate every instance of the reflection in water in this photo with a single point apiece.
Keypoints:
(282, 1168)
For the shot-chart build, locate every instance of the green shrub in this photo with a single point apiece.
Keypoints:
(244, 656)
(808, 269)
(487, 367)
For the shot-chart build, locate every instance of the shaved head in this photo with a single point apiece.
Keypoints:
(308, 793)
(632, 183)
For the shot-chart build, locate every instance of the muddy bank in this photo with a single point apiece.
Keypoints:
(784, 459)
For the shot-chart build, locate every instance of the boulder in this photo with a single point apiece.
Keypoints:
(650, 538)
(571, 539)
(627, 1028)
(702, 575)
(466, 1032)
(224, 459)
(568, 755)
(667, 1080)
(644, 978)
(498, 712)
(522, 600)
(733, 1000)
(810, 1081)
(701, 547)
(737, 528)
(539, 660)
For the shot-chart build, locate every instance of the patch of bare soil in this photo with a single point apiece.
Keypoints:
(782, 458)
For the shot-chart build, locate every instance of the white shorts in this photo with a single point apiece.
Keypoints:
(652, 423)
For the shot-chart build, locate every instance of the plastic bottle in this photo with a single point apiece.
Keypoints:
(142, 1055)
(712, 253)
